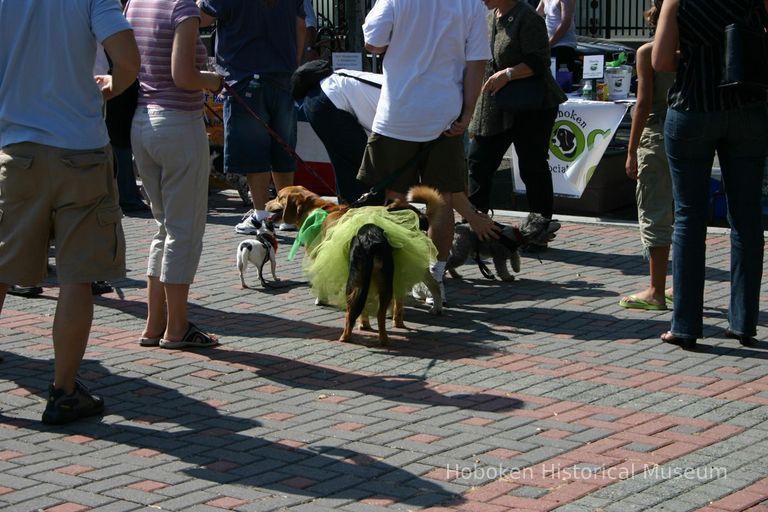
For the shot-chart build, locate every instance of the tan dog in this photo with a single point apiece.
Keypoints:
(295, 203)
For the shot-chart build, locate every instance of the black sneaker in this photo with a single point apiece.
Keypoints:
(100, 288)
(24, 291)
(63, 408)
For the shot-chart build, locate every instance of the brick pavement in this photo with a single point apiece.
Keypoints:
(541, 394)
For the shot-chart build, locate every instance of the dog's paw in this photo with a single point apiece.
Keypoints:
(436, 309)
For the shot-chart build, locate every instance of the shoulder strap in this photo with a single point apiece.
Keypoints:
(367, 82)
(493, 40)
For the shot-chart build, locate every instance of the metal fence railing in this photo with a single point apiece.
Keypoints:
(607, 19)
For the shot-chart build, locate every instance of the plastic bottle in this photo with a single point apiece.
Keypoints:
(586, 91)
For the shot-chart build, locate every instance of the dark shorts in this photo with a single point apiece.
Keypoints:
(248, 147)
(441, 165)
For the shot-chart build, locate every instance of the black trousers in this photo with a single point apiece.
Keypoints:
(344, 140)
(531, 135)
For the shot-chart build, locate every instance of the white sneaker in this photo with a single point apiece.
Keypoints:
(419, 291)
(248, 225)
(430, 300)
(286, 227)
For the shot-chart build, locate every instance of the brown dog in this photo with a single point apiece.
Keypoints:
(295, 203)
(371, 262)
(368, 248)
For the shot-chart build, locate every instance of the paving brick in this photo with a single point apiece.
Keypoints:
(546, 370)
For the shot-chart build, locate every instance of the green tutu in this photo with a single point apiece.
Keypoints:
(328, 263)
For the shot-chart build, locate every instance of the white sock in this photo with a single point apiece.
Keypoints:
(437, 270)
(261, 214)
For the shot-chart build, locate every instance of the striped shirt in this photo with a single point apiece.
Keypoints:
(702, 47)
(154, 25)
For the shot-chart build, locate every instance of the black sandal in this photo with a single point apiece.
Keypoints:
(194, 337)
(747, 341)
(684, 343)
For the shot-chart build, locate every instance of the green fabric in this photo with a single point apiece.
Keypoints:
(328, 264)
(310, 228)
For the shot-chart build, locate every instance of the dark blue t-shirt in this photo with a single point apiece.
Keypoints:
(254, 36)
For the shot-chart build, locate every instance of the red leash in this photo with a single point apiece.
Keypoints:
(272, 133)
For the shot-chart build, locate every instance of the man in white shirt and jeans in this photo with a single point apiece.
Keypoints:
(433, 73)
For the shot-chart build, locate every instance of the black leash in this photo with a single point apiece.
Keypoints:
(374, 196)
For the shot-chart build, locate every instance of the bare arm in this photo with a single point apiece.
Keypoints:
(375, 49)
(124, 54)
(642, 108)
(473, 81)
(183, 70)
(206, 20)
(667, 41)
(481, 223)
(500, 78)
(540, 8)
(566, 10)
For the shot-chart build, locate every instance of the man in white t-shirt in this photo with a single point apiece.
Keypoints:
(433, 73)
(560, 16)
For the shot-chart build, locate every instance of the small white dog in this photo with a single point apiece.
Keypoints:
(258, 251)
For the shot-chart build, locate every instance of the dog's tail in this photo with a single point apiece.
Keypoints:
(369, 253)
(436, 207)
(241, 248)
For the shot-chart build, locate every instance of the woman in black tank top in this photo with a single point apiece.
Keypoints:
(703, 119)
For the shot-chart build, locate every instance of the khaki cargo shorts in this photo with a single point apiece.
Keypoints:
(442, 166)
(66, 195)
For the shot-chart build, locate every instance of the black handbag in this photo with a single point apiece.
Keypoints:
(746, 51)
(521, 95)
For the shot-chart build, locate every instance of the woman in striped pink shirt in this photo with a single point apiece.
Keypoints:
(170, 145)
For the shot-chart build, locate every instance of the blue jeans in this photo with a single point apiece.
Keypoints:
(740, 138)
(344, 140)
(248, 146)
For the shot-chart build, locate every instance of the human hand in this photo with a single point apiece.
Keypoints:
(105, 84)
(484, 226)
(495, 82)
(631, 164)
(458, 127)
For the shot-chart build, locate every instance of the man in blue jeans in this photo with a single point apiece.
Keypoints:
(259, 45)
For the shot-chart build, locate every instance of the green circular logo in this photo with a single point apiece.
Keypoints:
(567, 142)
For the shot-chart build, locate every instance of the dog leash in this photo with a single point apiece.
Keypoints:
(272, 133)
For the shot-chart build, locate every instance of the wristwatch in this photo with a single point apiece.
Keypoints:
(508, 72)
